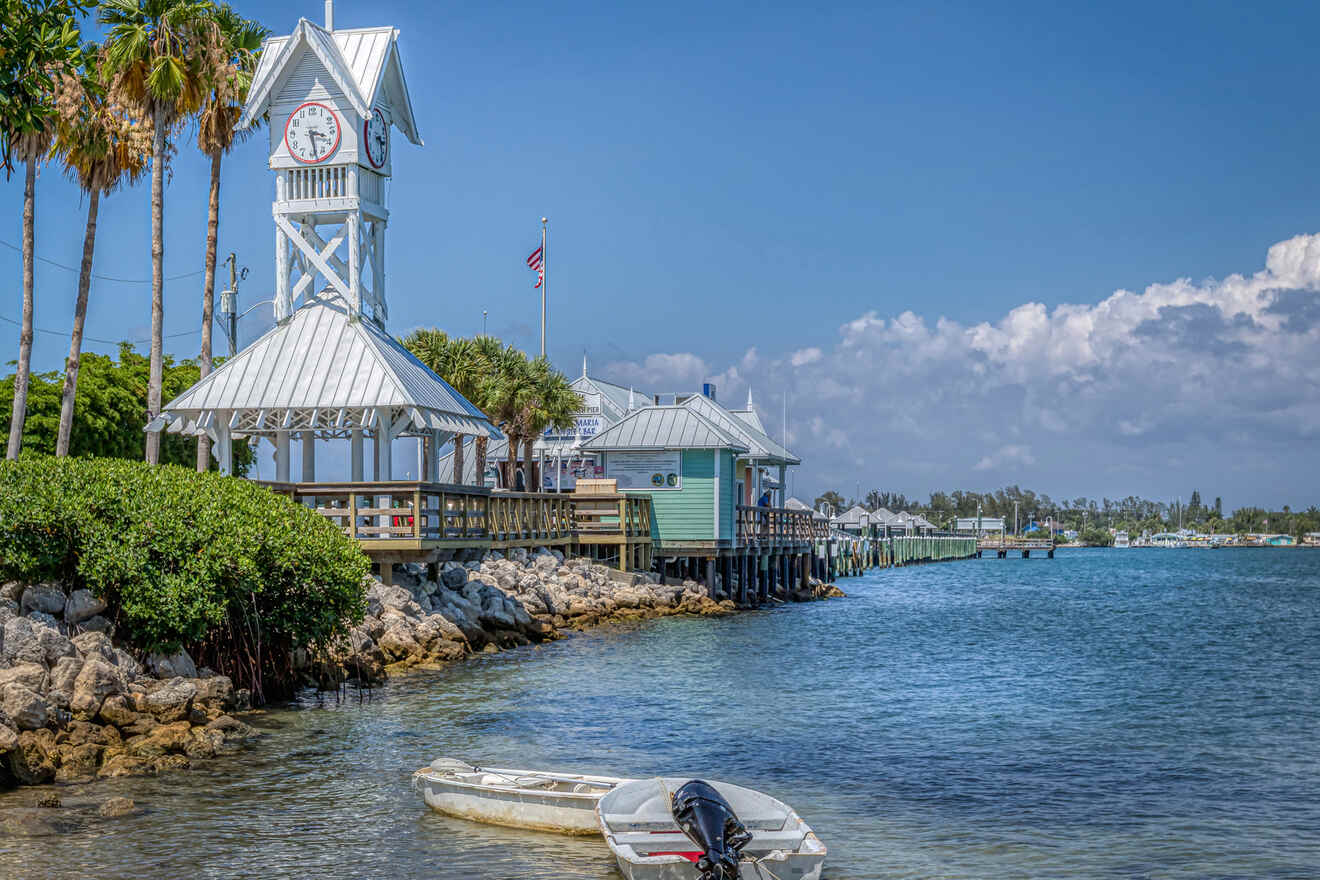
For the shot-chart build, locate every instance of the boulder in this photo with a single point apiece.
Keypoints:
(97, 623)
(178, 665)
(215, 694)
(8, 738)
(204, 742)
(233, 729)
(81, 605)
(80, 732)
(163, 740)
(77, 762)
(115, 710)
(20, 643)
(96, 680)
(12, 590)
(170, 701)
(30, 675)
(30, 759)
(518, 555)
(454, 577)
(44, 598)
(388, 597)
(95, 643)
(62, 677)
(545, 564)
(116, 807)
(124, 764)
(27, 709)
(398, 642)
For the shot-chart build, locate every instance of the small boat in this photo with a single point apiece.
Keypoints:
(535, 799)
(637, 819)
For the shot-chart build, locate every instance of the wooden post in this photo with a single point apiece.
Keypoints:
(355, 455)
(710, 576)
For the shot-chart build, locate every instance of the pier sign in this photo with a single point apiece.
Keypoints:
(653, 471)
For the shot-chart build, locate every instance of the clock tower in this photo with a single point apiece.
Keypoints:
(332, 98)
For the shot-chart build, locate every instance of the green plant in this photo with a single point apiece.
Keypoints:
(224, 567)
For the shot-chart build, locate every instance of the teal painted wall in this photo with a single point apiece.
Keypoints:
(688, 514)
(728, 499)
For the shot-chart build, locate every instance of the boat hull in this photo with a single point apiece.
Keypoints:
(513, 799)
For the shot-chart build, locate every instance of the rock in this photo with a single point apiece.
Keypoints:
(233, 729)
(398, 642)
(41, 620)
(546, 564)
(124, 764)
(45, 598)
(62, 677)
(81, 605)
(215, 694)
(164, 739)
(116, 807)
(30, 760)
(21, 644)
(54, 644)
(81, 732)
(454, 578)
(171, 701)
(389, 597)
(518, 555)
(12, 590)
(171, 762)
(97, 623)
(30, 675)
(96, 681)
(115, 710)
(127, 664)
(50, 801)
(78, 762)
(204, 742)
(8, 738)
(97, 643)
(27, 709)
(178, 665)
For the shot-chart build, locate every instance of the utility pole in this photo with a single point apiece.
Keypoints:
(229, 302)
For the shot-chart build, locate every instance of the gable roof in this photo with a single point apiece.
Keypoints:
(663, 427)
(759, 445)
(852, 516)
(363, 62)
(322, 370)
(750, 417)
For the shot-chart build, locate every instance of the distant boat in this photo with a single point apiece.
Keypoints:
(536, 799)
(1167, 540)
(1121, 540)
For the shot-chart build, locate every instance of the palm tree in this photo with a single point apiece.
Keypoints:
(156, 55)
(99, 149)
(508, 393)
(553, 404)
(458, 362)
(37, 42)
(216, 135)
(487, 354)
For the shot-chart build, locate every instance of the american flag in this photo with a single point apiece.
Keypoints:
(536, 262)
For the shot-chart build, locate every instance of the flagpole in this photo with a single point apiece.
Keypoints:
(544, 267)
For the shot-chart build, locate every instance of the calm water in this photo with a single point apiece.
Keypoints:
(1106, 714)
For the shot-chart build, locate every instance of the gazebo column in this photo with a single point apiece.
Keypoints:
(281, 456)
(424, 454)
(355, 455)
(224, 448)
(384, 465)
(458, 462)
(308, 456)
(433, 468)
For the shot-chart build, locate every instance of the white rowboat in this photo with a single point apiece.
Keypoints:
(535, 799)
(638, 823)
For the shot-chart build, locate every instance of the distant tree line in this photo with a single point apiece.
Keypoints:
(1091, 518)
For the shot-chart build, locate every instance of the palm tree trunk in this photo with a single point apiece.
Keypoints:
(70, 392)
(208, 297)
(155, 377)
(533, 478)
(480, 445)
(25, 334)
(458, 459)
(513, 463)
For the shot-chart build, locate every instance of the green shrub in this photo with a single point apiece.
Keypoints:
(238, 575)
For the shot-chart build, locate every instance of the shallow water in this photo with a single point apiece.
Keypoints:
(1107, 714)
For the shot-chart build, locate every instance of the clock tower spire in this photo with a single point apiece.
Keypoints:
(332, 97)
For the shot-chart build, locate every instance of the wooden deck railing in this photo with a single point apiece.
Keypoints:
(778, 525)
(445, 514)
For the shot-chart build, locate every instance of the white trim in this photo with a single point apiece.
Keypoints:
(719, 514)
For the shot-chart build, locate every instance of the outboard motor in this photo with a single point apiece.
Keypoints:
(706, 817)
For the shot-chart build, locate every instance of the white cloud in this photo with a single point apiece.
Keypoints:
(1218, 377)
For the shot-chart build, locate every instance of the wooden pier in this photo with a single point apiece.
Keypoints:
(1001, 546)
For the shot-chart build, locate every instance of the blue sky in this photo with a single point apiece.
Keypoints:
(726, 180)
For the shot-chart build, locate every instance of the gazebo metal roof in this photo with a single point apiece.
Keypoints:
(664, 427)
(323, 371)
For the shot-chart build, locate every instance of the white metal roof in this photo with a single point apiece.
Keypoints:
(750, 417)
(364, 63)
(321, 370)
(759, 445)
(795, 504)
(664, 427)
(852, 516)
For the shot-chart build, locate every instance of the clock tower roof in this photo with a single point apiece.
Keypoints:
(363, 62)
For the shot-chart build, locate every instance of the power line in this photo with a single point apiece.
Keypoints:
(102, 341)
(106, 277)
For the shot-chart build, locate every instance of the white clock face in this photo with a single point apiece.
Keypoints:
(312, 133)
(376, 138)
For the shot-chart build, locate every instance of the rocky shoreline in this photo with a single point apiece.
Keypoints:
(75, 705)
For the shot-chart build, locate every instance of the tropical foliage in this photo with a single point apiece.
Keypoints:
(238, 575)
(112, 402)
